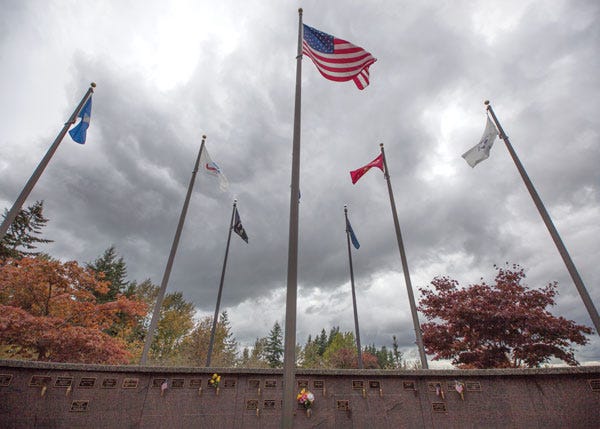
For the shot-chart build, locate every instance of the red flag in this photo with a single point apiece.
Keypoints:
(357, 174)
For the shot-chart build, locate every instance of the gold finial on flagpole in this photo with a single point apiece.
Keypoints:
(300, 11)
(380, 144)
(203, 136)
(486, 102)
(93, 84)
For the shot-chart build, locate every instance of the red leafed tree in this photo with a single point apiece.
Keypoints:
(496, 326)
(48, 311)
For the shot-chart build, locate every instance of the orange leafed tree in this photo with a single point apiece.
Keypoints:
(48, 312)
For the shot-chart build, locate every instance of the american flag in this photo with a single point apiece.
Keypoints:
(337, 59)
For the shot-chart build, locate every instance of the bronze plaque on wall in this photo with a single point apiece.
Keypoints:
(5, 379)
(269, 404)
(342, 405)
(177, 383)
(439, 407)
(63, 382)
(109, 383)
(87, 382)
(195, 383)
(79, 406)
(358, 384)
(130, 383)
(375, 384)
(39, 380)
(409, 385)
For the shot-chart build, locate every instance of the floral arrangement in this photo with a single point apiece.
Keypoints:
(305, 398)
(215, 381)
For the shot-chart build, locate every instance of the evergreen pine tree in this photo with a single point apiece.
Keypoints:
(274, 347)
(24, 232)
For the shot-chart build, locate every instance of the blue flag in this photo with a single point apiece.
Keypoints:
(355, 242)
(78, 133)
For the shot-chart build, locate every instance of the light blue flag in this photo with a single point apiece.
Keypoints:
(353, 238)
(78, 133)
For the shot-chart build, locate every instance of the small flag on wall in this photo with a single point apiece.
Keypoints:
(358, 173)
(212, 169)
(481, 151)
(337, 59)
(238, 228)
(79, 132)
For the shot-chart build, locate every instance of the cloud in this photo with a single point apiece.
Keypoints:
(169, 73)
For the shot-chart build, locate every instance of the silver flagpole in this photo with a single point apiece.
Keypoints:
(409, 289)
(216, 318)
(167, 273)
(356, 329)
(587, 301)
(289, 353)
(12, 214)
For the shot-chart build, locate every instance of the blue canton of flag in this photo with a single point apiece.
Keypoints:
(336, 59)
(353, 238)
(78, 133)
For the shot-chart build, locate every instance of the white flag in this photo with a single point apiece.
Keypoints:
(482, 150)
(211, 168)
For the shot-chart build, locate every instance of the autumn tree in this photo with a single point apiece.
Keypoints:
(111, 268)
(505, 324)
(49, 312)
(258, 358)
(311, 355)
(175, 323)
(384, 358)
(194, 349)
(341, 350)
(24, 233)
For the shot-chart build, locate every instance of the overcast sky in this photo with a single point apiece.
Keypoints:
(169, 72)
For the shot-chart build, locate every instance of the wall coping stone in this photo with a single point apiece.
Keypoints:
(9, 363)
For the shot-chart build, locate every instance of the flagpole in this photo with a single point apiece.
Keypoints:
(356, 329)
(167, 273)
(289, 354)
(587, 301)
(12, 214)
(215, 319)
(409, 289)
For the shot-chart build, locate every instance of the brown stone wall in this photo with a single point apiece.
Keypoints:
(42, 395)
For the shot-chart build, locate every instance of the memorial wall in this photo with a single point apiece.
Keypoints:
(47, 395)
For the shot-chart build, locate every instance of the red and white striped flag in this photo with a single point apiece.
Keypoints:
(337, 59)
